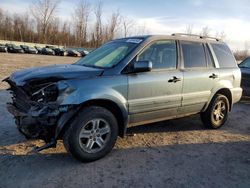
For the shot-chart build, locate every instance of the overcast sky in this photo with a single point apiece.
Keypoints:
(169, 16)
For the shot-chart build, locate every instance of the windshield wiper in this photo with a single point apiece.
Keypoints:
(93, 66)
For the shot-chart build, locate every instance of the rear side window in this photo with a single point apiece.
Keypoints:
(193, 55)
(224, 55)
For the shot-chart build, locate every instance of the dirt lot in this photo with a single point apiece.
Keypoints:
(178, 153)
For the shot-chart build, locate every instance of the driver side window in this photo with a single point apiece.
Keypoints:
(162, 54)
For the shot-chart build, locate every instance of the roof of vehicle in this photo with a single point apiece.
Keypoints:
(48, 49)
(16, 47)
(180, 36)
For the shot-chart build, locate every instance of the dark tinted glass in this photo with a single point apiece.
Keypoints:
(162, 54)
(245, 63)
(193, 54)
(224, 55)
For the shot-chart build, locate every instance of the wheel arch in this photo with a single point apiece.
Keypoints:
(119, 112)
(223, 91)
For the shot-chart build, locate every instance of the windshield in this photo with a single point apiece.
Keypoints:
(245, 63)
(109, 54)
(16, 47)
(49, 49)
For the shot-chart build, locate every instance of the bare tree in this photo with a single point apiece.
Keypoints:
(140, 29)
(65, 36)
(46, 27)
(189, 29)
(44, 13)
(127, 24)
(205, 31)
(97, 35)
(8, 28)
(1, 23)
(81, 16)
(221, 35)
(112, 26)
(242, 54)
(17, 28)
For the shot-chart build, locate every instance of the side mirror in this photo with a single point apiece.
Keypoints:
(142, 66)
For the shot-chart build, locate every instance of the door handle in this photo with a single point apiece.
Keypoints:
(213, 76)
(174, 79)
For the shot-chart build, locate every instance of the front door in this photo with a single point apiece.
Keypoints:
(155, 95)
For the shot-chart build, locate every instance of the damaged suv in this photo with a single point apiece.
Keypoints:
(125, 82)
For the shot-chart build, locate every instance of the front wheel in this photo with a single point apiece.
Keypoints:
(217, 112)
(92, 134)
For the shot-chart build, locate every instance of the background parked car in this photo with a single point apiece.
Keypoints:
(60, 51)
(48, 51)
(28, 49)
(51, 47)
(24, 47)
(12, 48)
(72, 52)
(3, 48)
(83, 52)
(245, 79)
(39, 49)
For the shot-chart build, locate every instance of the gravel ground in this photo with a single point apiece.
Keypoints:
(176, 153)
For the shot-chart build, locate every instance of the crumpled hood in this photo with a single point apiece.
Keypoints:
(55, 71)
(245, 71)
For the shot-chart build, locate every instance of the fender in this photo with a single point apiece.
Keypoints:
(86, 92)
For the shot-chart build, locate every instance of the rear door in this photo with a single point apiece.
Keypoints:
(156, 95)
(200, 76)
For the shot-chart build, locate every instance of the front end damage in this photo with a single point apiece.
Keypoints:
(37, 110)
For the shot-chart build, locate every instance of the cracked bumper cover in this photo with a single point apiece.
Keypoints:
(37, 122)
(36, 119)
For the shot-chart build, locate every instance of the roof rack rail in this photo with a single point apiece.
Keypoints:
(214, 38)
(194, 35)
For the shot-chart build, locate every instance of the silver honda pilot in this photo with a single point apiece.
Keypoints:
(126, 82)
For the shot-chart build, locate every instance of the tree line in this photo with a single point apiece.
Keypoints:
(86, 28)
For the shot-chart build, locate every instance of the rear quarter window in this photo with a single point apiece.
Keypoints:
(224, 55)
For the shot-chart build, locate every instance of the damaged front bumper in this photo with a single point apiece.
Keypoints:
(38, 120)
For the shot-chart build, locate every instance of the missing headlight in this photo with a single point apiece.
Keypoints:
(48, 93)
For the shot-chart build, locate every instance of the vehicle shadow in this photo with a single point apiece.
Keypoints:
(179, 165)
(190, 123)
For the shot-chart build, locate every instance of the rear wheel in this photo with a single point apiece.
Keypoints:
(217, 112)
(92, 134)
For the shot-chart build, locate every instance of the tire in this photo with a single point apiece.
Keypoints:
(92, 127)
(217, 112)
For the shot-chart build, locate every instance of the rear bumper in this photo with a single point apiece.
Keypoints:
(236, 94)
